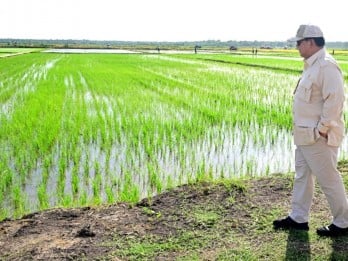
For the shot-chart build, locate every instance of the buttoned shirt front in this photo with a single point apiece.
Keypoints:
(318, 101)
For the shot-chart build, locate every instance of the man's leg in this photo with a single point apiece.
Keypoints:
(303, 189)
(322, 160)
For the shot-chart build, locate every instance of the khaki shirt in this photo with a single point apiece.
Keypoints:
(318, 101)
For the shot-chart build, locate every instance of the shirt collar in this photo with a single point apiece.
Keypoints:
(311, 60)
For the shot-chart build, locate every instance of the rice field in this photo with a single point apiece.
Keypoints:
(81, 129)
(4, 52)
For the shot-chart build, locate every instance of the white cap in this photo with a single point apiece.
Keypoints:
(307, 31)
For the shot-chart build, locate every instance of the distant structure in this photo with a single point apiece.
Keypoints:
(197, 47)
(233, 48)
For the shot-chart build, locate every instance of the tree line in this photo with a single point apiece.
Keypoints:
(70, 43)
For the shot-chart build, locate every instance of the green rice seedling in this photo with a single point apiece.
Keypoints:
(6, 179)
(66, 201)
(42, 196)
(83, 199)
(129, 192)
(18, 199)
(155, 181)
(110, 197)
(201, 173)
(61, 174)
(75, 181)
(170, 183)
(97, 185)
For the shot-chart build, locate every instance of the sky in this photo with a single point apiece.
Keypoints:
(170, 20)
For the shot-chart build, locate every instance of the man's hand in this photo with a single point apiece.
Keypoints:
(324, 135)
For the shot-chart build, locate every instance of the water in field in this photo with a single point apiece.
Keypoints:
(86, 51)
(222, 153)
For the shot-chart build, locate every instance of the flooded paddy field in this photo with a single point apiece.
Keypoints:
(87, 128)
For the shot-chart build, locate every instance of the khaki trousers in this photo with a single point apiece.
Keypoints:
(318, 161)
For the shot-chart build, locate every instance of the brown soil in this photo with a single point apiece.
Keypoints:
(89, 233)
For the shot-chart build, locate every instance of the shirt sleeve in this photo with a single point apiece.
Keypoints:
(333, 96)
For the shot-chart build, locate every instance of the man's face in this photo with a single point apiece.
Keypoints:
(305, 47)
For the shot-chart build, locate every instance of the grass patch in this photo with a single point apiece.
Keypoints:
(208, 225)
(148, 247)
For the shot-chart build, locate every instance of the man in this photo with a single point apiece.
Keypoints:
(318, 132)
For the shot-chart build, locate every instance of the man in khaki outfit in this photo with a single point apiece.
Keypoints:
(318, 132)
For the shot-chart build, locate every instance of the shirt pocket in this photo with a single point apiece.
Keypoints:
(304, 90)
(305, 135)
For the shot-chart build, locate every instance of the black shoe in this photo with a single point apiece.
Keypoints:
(332, 231)
(289, 223)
